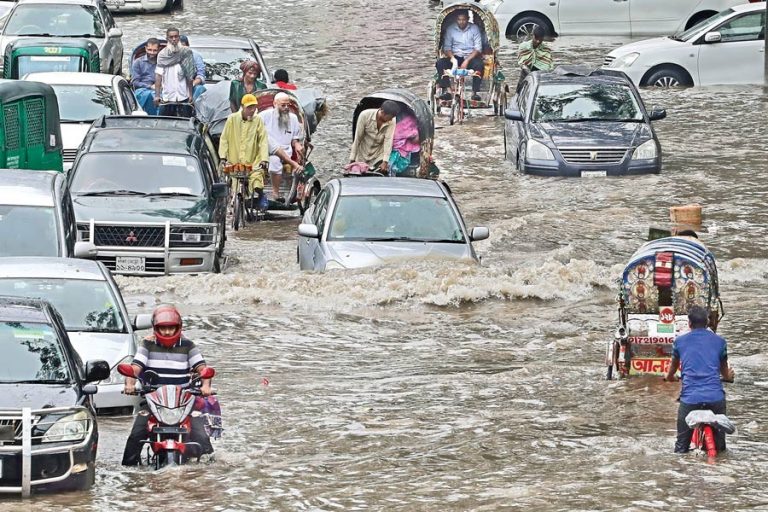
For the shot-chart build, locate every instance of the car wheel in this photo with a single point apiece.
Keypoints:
(667, 78)
(522, 29)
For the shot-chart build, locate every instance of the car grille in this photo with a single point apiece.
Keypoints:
(15, 424)
(608, 61)
(593, 156)
(69, 155)
(127, 236)
(151, 265)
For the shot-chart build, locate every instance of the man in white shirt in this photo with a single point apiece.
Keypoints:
(174, 74)
(285, 133)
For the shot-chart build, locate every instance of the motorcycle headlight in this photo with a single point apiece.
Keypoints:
(73, 427)
(170, 416)
(535, 150)
(625, 60)
(645, 151)
(114, 375)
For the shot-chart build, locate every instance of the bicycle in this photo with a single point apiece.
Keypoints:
(244, 205)
(703, 422)
(458, 83)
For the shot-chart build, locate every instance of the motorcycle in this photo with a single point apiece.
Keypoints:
(171, 411)
(704, 423)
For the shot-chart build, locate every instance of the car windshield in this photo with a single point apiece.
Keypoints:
(84, 103)
(685, 35)
(85, 305)
(45, 63)
(31, 354)
(395, 218)
(137, 173)
(582, 102)
(28, 231)
(65, 20)
(224, 63)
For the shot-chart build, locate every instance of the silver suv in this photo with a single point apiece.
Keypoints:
(67, 18)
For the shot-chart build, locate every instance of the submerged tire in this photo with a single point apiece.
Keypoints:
(668, 78)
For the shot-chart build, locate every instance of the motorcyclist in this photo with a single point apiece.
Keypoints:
(172, 356)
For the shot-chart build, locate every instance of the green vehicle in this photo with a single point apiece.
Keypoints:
(30, 136)
(37, 55)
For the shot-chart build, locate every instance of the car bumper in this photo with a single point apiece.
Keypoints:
(559, 168)
(111, 398)
(127, 6)
(161, 262)
(634, 72)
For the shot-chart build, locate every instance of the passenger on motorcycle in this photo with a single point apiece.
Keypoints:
(703, 356)
(172, 357)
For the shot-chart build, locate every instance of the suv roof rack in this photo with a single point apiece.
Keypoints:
(166, 122)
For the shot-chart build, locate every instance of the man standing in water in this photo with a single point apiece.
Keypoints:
(704, 357)
(373, 135)
(535, 54)
(174, 74)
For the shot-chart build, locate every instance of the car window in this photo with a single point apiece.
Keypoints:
(49, 63)
(68, 219)
(28, 231)
(571, 102)
(224, 63)
(685, 35)
(32, 353)
(84, 305)
(209, 173)
(67, 20)
(748, 27)
(109, 21)
(213, 156)
(137, 174)
(320, 203)
(522, 97)
(83, 103)
(395, 218)
(129, 100)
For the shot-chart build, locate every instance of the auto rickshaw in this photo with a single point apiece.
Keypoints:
(494, 90)
(37, 55)
(422, 164)
(662, 280)
(30, 136)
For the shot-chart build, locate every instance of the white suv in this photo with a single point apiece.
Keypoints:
(726, 49)
(88, 19)
(518, 18)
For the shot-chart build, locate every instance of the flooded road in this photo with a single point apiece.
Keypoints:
(450, 387)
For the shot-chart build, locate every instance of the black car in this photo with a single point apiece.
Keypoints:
(48, 431)
(147, 193)
(578, 122)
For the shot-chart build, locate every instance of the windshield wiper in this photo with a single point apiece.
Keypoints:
(113, 193)
(182, 194)
(80, 35)
(441, 240)
(32, 35)
(34, 381)
(391, 239)
(580, 119)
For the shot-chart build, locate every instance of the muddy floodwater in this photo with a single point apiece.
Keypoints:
(437, 386)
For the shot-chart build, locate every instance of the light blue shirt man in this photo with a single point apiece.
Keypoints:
(462, 43)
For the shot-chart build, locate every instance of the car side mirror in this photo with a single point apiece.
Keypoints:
(142, 321)
(85, 250)
(90, 389)
(219, 190)
(96, 370)
(115, 32)
(513, 115)
(479, 233)
(713, 37)
(657, 114)
(308, 230)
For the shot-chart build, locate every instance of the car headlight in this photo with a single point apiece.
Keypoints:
(114, 375)
(169, 416)
(535, 150)
(333, 265)
(645, 151)
(73, 427)
(83, 233)
(191, 236)
(625, 60)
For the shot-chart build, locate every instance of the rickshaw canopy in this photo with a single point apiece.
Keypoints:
(47, 54)
(416, 105)
(480, 16)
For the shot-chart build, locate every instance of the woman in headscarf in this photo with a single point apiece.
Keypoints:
(404, 142)
(249, 83)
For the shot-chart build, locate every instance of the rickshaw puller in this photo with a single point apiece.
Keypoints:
(463, 42)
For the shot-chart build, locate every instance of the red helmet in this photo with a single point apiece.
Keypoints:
(167, 316)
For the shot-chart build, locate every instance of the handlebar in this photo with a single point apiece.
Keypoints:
(464, 73)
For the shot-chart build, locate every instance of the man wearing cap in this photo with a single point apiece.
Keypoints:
(245, 141)
(285, 132)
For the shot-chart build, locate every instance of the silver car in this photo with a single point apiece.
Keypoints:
(95, 317)
(366, 221)
(66, 18)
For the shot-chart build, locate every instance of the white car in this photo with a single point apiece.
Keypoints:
(92, 309)
(83, 98)
(518, 18)
(144, 5)
(66, 18)
(726, 49)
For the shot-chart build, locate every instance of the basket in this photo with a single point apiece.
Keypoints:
(238, 170)
(686, 215)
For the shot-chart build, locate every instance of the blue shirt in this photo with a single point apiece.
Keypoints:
(143, 73)
(463, 42)
(700, 353)
(199, 65)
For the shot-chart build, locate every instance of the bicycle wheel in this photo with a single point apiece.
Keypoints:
(237, 212)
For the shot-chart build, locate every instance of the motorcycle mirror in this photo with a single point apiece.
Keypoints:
(125, 369)
(207, 373)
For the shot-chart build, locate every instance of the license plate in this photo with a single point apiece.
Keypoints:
(115, 2)
(129, 264)
(593, 174)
